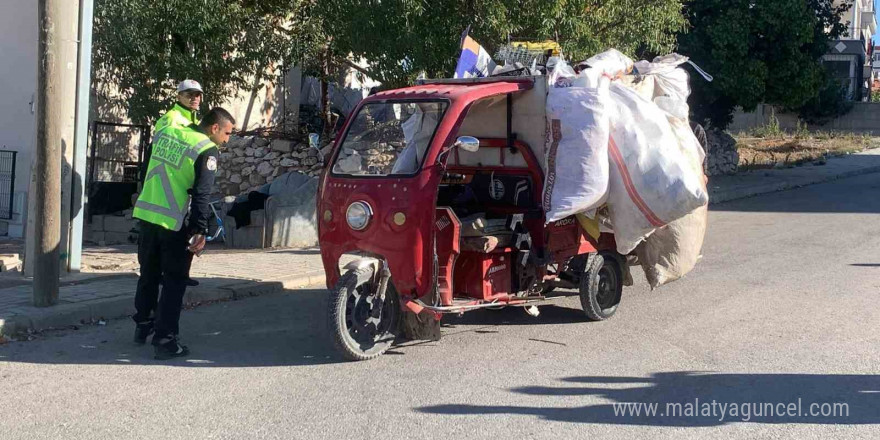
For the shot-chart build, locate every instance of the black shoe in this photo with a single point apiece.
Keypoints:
(141, 331)
(169, 347)
(191, 282)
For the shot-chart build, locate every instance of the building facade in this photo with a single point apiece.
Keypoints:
(850, 59)
(18, 82)
(875, 70)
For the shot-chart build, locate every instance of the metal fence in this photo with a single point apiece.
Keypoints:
(117, 151)
(115, 158)
(7, 183)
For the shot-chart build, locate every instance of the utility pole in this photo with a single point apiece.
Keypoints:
(56, 90)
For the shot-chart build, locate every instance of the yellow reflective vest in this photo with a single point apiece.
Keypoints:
(164, 200)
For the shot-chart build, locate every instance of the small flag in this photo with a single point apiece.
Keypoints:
(474, 61)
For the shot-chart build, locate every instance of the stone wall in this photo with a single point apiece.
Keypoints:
(721, 154)
(246, 163)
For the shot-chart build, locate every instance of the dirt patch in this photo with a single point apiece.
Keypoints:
(787, 151)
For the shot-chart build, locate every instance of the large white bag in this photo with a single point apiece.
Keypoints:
(611, 63)
(577, 150)
(671, 82)
(651, 180)
(671, 252)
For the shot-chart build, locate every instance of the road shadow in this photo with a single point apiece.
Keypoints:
(280, 329)
(679, 394)
(274, 329)
(551, 314)
(850, 195)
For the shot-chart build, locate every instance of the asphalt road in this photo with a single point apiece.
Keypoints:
(782, 310)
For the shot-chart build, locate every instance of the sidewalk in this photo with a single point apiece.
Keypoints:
(105, 289)
(751, 183)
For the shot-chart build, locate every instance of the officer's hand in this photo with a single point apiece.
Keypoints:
(197, 243)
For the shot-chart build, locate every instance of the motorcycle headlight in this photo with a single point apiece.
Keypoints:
(358, 215)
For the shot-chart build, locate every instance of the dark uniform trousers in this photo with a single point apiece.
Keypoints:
(164, 259)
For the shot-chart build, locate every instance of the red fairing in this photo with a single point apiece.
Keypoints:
(408, 248)
(405, 247)
(484, 276)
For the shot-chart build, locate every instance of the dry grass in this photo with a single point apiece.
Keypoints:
(768, 148)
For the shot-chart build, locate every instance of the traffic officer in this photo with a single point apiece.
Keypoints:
(183, 113)
(181, 167)
(185, 110)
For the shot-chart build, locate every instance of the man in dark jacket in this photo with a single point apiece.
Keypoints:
(180, 174)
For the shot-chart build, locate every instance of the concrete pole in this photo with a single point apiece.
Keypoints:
(56, 91)
(81, 141)
(30, 246)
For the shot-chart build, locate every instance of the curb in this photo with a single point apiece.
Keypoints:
(86, 312)
(744, 193)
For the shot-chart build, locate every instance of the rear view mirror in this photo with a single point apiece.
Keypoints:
(468, 143)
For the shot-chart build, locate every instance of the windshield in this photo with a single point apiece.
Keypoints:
(389, 138)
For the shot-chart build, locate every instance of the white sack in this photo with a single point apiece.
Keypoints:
(577, 150)
(611, 62)
(671, 92)
(689, 144)
(562, 74)
(643, 85)
(660, 65)
(672, 83)
(671, 252)
(417, 132)
(651, 180)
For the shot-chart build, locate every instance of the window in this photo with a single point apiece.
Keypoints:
(389, 138)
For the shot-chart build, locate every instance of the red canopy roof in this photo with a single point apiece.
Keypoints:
(456, 90)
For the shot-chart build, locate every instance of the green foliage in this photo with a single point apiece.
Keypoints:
(401, 39)
(143, 48)
(875, 96)
(831, 102)
(801, 130)
(771, 130)
(765, 51)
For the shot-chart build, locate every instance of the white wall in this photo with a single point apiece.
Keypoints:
(18, 85)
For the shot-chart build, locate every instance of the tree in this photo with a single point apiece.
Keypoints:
(759, 51)
(142, 48)
(400, 39)
(830, 102)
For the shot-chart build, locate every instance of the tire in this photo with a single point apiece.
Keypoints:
(601, 287)
(358, 333)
